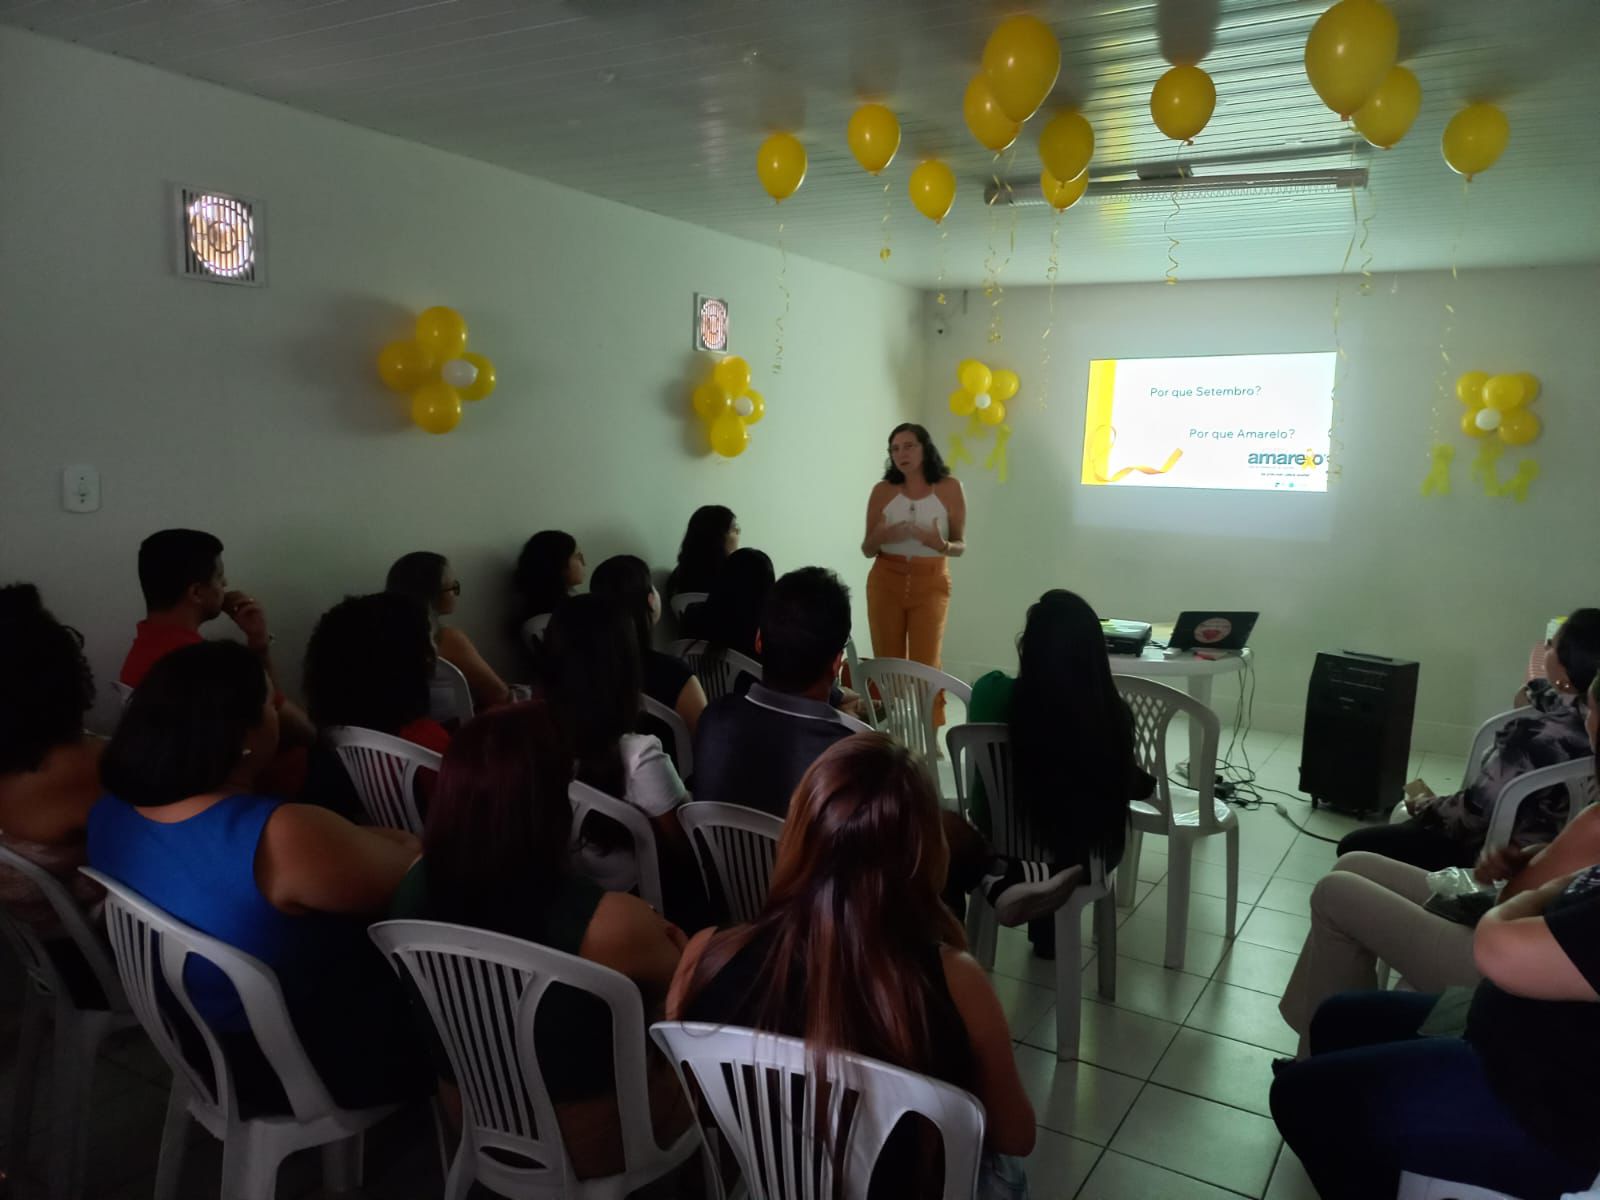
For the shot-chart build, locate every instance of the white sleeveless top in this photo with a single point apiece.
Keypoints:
(927, 512)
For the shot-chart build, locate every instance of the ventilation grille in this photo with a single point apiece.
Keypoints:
(219, 237)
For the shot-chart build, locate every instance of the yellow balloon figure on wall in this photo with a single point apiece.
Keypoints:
(436, 370)
(981, 399)
(729, 406)
(1497, 416)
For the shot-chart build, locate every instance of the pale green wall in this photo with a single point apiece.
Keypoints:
(254, 413)
(1464, 583)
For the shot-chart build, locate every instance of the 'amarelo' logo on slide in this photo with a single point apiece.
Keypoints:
(1305, 460)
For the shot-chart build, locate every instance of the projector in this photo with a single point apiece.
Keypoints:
(1126, 637)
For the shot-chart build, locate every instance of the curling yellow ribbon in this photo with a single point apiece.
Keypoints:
(1517, 486)
(1100, 458)
(1437, 482)
(997, 457)
(1483, 463)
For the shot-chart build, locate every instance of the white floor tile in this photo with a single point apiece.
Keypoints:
(1331, 823)
(1076, 1098)
(1149, 989)
(1287, 895)
(1023, 1003)
(1289, 1181)
(1211, 879)
(1260, 968)
(1058, 1165)
(1219, 1069)
(1144, 936)
(1242, 1014)
(1280, 930)
(1213, 1142)
(1303, 868)
(1117, 1039)
(1014, 957)
(1206, 913)
(1152, 864)
(1307, 846)
(1118, 1177)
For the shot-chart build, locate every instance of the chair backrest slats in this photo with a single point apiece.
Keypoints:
(908, 691)
(682, 748)
(646, 866)
(1154, 706)
(75, 923)
(717, 669)
(736, 848)
(384, 770)
(449, 694)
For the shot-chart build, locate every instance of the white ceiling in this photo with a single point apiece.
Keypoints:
(661, 104)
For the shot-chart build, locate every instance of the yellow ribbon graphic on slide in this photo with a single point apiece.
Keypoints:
(1101, 439)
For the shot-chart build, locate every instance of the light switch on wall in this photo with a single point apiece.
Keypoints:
(80, 489)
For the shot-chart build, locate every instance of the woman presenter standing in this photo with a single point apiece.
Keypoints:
(916, 519)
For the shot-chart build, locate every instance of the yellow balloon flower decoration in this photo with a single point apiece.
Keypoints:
(981, 399)
(729, 406)
(1497, 405)
(435, 369)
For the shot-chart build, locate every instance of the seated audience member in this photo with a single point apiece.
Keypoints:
(667, 679)
(495, 857)
(1505, 1106)
(854, 951)
(428, 578)
(368, 664)
(731, 614)
(185, 586)
(184, 825)
(752, 749)
(49, 768)
(1369, 907)
(590, 677)
(712, 535)
(1073, 764)
(549, 569)
(1448, 831)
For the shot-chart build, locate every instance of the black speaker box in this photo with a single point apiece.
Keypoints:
(1358, 731)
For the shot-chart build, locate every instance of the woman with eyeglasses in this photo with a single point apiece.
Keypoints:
(428, 578)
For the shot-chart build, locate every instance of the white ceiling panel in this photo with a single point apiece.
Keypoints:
(662, 103)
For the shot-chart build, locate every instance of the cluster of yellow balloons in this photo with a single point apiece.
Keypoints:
(434, 368)
(729, 406)
(1498, 404)
(983, 391)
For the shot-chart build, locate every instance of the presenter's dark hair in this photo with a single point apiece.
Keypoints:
(933, 468)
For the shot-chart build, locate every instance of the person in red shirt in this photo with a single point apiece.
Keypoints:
(185, 586)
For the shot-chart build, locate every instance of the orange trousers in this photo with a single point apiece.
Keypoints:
(907, 602)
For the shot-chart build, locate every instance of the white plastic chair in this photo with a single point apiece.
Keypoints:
(449, 694)
(1577, 776)
(1154, 705)
(122, 691)
(1426, 1187)
(533, 631)
(683, 601)
(983, 752)
(645, 867)
(384, 769)
(787, 1128)
(483, 992)
(908, 690)
(151, 947)
(718, 670)
(852, 659)
(78, 1032)
(682, 742)
(736, 849)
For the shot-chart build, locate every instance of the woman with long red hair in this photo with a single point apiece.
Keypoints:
(856, 952)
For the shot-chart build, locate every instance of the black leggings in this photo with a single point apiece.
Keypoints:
(1420, 841)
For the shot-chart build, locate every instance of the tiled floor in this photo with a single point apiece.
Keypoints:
(1169, 1100)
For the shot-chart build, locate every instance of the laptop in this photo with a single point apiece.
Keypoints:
(1126, 637)
(1211, 630)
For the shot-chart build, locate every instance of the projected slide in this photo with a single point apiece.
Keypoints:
(1254, 422)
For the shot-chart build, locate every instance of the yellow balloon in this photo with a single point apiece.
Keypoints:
(758, 408)
(975, 377)
(1351, 50)
(729, 437)
(1004, 385)
(436, 407)
(1530, 384)
(1182, 102)
(874, 136)
(1387, 115)
(781, 165)
(442, 333)
(484, 383)
(1469, 388)
(988, 123)
(933, 189)
(733, 375)
(1066, 145)
(1475, 139)
(403, 366)
(994, 414)
(1505, 392)
(1022, 59)
(963, 403)
(1469, 424)
(1519, 427)
(710, 400)
(1062, 196)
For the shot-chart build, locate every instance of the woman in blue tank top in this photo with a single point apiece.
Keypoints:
(291, 884)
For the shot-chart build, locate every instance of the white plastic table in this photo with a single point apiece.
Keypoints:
(1196, 673)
